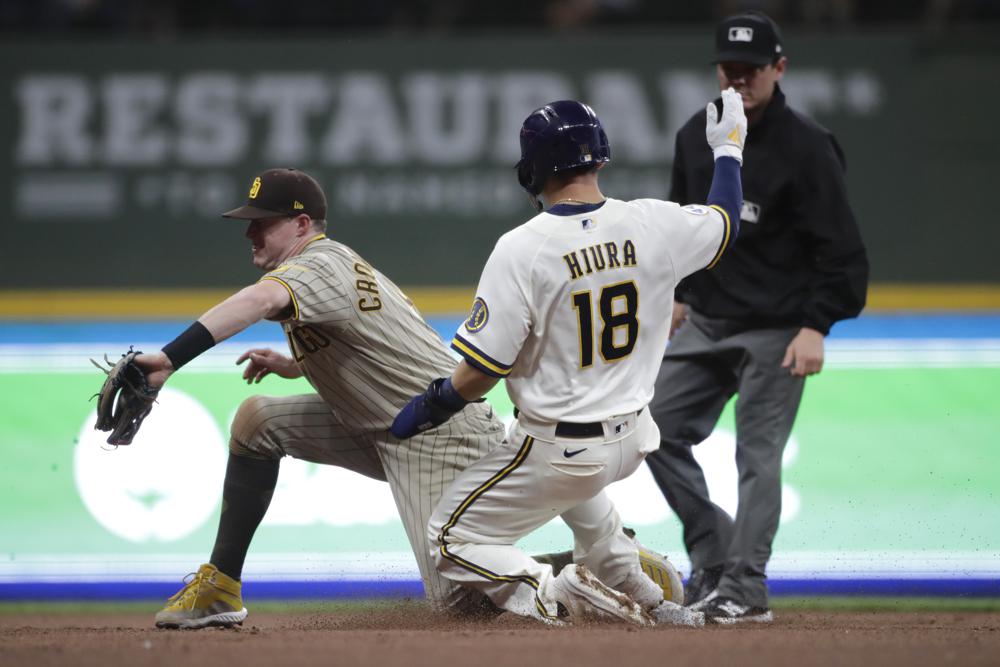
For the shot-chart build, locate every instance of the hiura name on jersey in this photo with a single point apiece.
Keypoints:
(599, 257)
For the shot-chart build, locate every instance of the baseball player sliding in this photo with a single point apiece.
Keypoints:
(573, 309)
(365, 350)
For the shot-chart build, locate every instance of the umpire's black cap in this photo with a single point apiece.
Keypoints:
(279, 192)
(750, 37)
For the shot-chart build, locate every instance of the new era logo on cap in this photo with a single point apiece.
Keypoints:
(740, 34)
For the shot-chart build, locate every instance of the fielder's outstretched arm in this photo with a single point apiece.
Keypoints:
(264, 300)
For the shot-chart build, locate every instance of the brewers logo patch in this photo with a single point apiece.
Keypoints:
(478, 317)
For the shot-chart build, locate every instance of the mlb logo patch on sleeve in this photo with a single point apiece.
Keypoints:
(750, 211)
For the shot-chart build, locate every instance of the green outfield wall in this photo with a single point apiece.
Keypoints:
(892, 468)
(133, 148)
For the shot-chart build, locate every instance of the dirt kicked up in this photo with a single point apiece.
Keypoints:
(407, 634)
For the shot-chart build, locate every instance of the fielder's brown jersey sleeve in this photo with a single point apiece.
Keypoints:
(316, 285)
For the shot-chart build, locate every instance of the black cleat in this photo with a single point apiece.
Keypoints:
(727, 611)
(701, 584)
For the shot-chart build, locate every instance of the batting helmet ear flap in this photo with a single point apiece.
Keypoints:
(530, 181)
(526, 177)
(605, 147)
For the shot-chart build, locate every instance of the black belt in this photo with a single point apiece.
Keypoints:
(578, 430)
(571, 430)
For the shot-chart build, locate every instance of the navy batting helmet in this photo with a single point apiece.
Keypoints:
(556, 137)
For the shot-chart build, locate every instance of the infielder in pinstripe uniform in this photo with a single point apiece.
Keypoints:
(365, 350)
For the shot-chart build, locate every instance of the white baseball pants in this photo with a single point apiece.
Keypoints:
(520, 486)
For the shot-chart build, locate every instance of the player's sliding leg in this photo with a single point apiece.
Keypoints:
(657, 567)
(613, 554)
(508, 494)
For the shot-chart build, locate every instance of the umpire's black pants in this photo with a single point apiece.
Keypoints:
(707, 362)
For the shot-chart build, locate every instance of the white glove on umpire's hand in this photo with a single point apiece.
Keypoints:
(727, 136)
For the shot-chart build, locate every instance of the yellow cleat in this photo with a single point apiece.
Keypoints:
(210, 598)
(659, 568)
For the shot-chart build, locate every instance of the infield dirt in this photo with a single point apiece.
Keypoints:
(407, 634)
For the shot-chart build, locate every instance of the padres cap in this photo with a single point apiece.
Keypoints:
(282, 192)
(751, 37)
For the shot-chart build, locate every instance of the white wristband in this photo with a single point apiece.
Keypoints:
(728, 151)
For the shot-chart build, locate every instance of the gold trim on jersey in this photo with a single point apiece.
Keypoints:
(467, 350)
(291, 293)
(519, 458)
(318, 237)
(725, 236)
(287, 267)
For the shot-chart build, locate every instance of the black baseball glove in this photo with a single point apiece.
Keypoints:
(124, 400)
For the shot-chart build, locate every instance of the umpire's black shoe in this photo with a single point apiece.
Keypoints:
(727, 611)
(701, 584)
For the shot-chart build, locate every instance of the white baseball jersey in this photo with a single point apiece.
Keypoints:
(573, 307)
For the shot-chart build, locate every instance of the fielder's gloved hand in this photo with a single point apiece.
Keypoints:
(431, 408)
(728, 135)
(124, 400)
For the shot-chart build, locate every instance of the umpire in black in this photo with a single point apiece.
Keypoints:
(755, 324)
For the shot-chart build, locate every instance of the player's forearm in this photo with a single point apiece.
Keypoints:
(726, 191)
(222, 321)
(226, 319)
(243, 309)
(471, 383)
(442, 399)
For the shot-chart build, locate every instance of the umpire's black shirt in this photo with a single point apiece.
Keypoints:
(799, 259)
